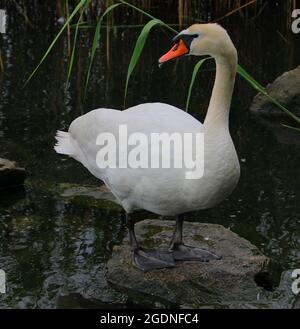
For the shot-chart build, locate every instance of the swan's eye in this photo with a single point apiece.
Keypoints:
(176, 46)
(195, 36)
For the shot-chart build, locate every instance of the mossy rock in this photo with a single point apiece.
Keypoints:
(285, 89)
(234, 281)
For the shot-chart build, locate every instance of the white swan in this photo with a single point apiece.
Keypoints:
(167, 191)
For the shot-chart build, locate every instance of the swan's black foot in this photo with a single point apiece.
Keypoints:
(147, 260)
(182, 252)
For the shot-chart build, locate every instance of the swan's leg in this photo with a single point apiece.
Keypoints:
(147, 260)
(183, 252)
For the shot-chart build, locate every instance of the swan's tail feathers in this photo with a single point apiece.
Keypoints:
(63, 144)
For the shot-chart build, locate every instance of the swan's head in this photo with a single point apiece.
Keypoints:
(200, 40)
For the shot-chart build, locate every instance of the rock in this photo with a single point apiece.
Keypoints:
(285, 89)
(231, 282)
(11, 174)
(76, 301)
(284, 298)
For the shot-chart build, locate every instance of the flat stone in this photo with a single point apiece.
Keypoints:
(230, 282)
(11, 174)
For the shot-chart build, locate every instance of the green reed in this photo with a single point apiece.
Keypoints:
(138, 49)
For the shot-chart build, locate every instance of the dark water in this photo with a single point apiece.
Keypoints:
(54, 248)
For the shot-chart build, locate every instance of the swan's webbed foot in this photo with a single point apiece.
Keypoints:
(146, 260)
(182, 252)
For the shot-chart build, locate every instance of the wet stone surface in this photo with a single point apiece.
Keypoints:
(231, 282)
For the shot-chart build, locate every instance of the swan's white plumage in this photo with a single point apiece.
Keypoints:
(162, 191)
(167, 191)
(63, 145)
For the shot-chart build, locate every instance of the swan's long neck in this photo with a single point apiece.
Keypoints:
(219, 107)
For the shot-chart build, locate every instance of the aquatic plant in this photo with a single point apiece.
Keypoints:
(140, 44)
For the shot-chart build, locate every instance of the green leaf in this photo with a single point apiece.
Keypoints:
(290, 127)
(77, 8)
(195, 72)
(73, 50)
(256, 85)
(139, 46)
(96, 41)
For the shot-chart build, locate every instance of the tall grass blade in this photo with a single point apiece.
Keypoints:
(79, 5)
(96, 41)
(73, 50)
(255, 84)
(291, 127)
(68, 27)
(195, 72)
(139, 46)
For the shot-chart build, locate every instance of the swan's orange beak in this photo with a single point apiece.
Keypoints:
(179, 50)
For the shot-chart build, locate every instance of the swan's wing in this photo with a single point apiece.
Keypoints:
(145, 119)
(160, 117)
